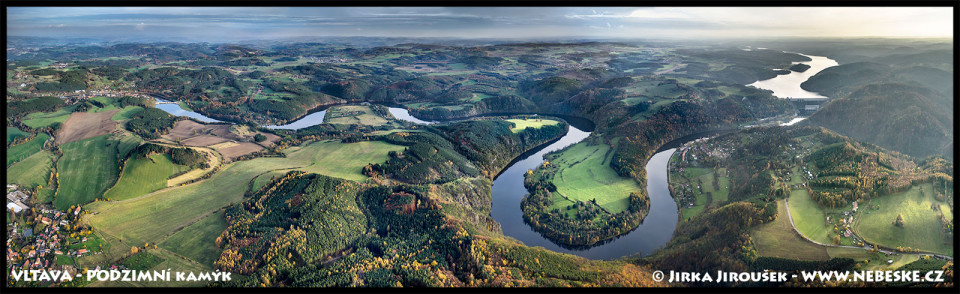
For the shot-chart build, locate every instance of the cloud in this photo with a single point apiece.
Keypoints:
(482, 22)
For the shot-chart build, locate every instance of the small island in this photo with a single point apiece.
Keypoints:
(799, 67)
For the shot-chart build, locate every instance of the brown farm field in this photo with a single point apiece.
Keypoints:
(196, 134)
(231, 141)
(84, 125)
(232, 150)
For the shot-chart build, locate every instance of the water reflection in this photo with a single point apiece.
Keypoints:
(788, 85)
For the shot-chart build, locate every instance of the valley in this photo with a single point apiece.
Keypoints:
(486, 164)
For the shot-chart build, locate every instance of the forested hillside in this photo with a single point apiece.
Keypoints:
(899, 117)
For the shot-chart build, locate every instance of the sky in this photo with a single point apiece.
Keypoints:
(217, 24)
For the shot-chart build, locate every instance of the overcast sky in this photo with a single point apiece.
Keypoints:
(217, 24)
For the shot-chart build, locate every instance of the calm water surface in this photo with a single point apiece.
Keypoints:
(788, 85)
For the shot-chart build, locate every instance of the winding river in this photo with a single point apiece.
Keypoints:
(508, 190)
(656, 229)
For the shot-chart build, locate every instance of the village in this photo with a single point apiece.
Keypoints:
(42, 238)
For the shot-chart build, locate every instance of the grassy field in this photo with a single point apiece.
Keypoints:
(336, 159)
(353, 114)
(33, 171)
(265, 178)
(144, 175)
(585, 174)
(126, 144)
(126, 113)
(535, 123)
(778, 239)
(722, 194)
(152, 217)
(921, 228)
(13, 133)
(43, 119)
(26, 149)
(87, 169)
(809, 219)
(142, 261)
(197, 241)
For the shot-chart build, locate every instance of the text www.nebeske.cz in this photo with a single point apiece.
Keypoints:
(771, 276)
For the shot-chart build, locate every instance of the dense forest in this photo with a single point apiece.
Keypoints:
(151, 123)
(464, 149)
(878, 114)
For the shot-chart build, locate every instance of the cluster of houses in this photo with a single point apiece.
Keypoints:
(84, 94)
(43, 245)
(328, 59)
(701, 146)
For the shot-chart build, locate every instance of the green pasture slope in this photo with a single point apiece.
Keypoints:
(585, 174)
(197, 241)
(13, 133)
(520, 124)
(126, 113)
(144, 175)
(30, 172)
(87, 169)
(153, 217)
(23, 150)
(345, 161)
(808, 217)
(778, 239)
(43, 119)
(921, 229)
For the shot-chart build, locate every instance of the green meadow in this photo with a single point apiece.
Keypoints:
(584, 174)
(126, 113)
(23, 150)
(13, 133)
(33, 171)
(43, 119)
(157, 215)
(144, 175)
(921, 229)
(521, 124)
(198, 241)
(87, 169)
(808, 217)
(778, 239)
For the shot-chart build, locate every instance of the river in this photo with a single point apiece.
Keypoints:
(657, 227)
(788, 85)
(508, 190)
(308, 120)
(175, 109)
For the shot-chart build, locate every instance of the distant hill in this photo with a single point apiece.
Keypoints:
(841, 80)
(932, 69)
(906, 118)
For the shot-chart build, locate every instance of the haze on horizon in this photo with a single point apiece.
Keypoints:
(228, 24)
